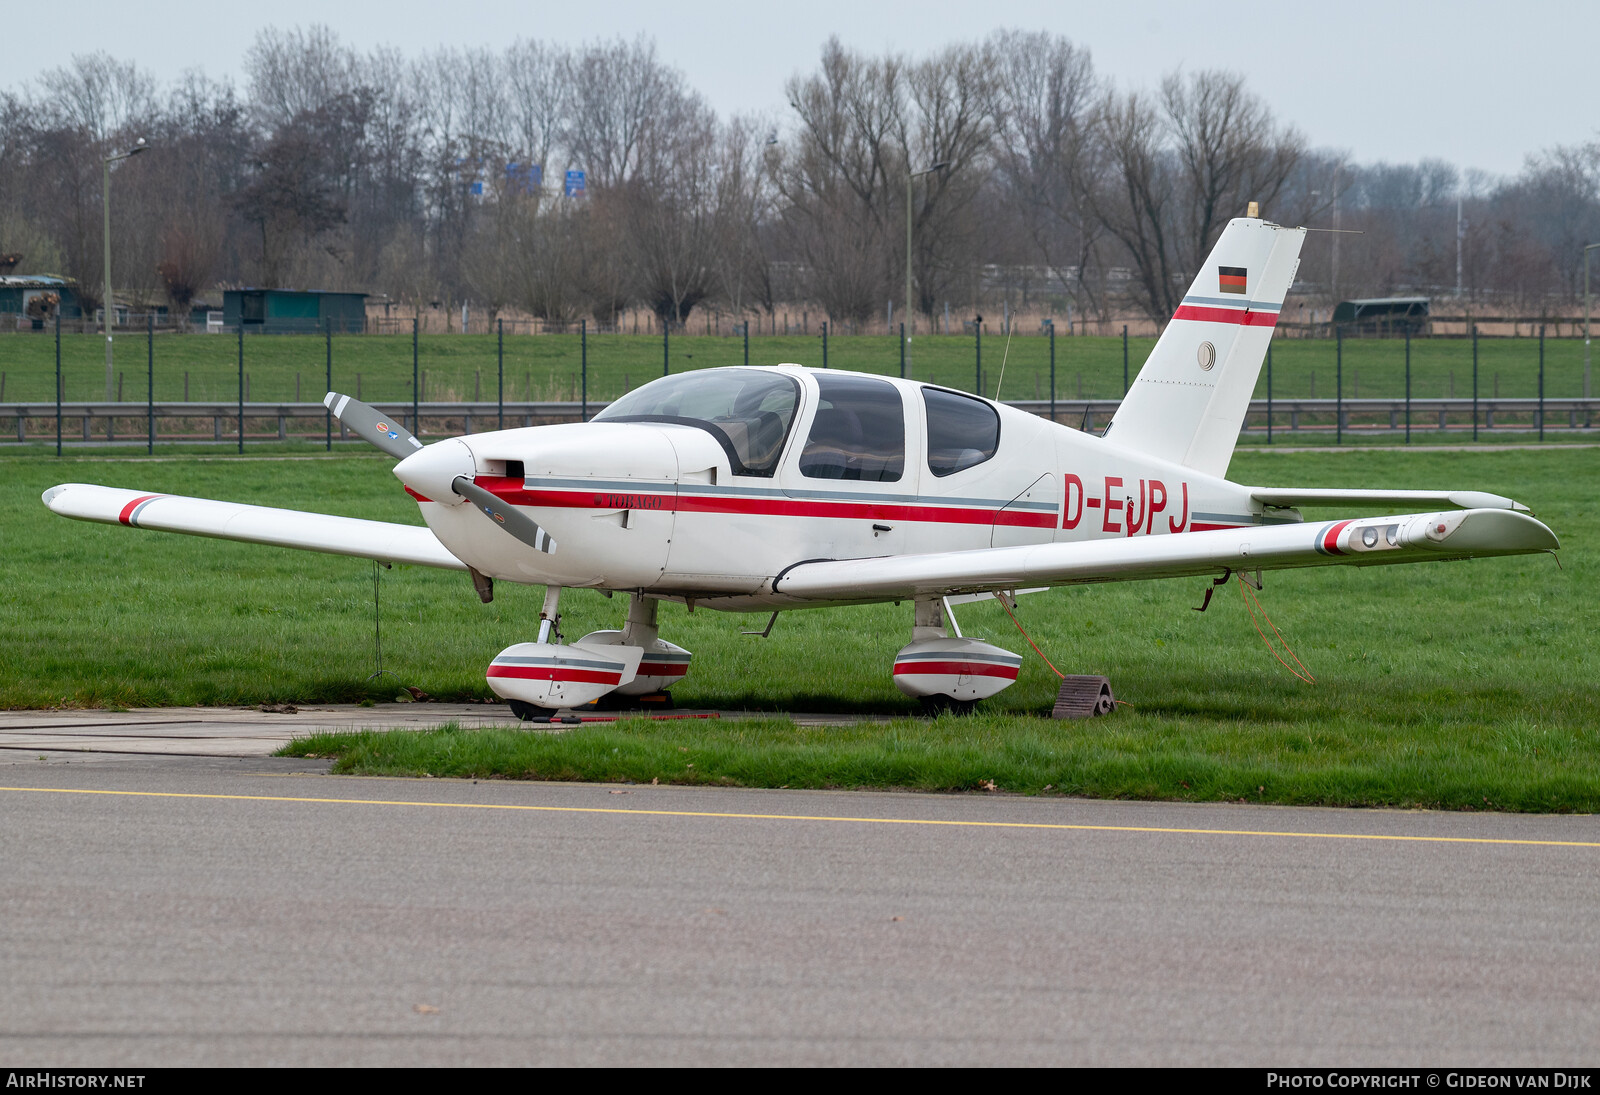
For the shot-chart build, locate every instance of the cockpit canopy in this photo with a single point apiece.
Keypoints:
(748, 411)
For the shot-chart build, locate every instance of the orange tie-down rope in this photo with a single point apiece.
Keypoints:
(1244, 588)
(1248, 596)
(1002, 599)
(1036, 650)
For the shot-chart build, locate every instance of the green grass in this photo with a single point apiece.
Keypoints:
(1436, 683)
(548, 367)
(1514, 764)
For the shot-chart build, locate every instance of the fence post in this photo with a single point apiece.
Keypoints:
(327, 333)
(977, 345)
(1124, 359)
(902, 351)
(747, 342)
(1408, 384)
(241, 386)
(416, 423)
(1541, 382)
(1474, 381)
(1338, 385)
(583, 367)
(1269, 389)
(150, 379)
(666, 360)
(58, 381)
(1052, 370)
(824, 344)
(500, 373)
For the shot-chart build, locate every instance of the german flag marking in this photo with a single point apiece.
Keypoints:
(1231, 279)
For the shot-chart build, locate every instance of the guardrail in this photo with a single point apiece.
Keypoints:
(99, 420)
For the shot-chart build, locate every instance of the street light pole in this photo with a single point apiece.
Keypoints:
(105, 191)
(1587, 248)
(910, 175)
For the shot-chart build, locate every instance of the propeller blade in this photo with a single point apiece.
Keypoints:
(382, 431)
(505, 515)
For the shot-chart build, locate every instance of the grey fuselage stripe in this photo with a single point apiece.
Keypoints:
(557, 659)
(956, 655)
(634, 486)
(1234, 302)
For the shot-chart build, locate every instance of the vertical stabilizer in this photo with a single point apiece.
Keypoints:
(1190, 399)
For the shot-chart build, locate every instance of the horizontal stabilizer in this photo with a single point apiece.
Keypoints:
(380, 540)
(1367, 541)
(1336, 496)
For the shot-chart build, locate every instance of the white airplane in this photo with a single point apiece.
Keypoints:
(763, 489)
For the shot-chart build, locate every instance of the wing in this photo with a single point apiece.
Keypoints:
(1336, 496)
(1371, 541)
(380, 540)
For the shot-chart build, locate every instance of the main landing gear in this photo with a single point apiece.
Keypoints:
(950, 673)
(539, 677)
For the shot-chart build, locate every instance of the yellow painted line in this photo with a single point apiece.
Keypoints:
(815, 817)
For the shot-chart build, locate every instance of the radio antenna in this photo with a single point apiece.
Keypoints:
(1003, 357)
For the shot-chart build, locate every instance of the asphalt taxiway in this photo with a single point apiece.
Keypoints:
(250, 910)
(262, 731)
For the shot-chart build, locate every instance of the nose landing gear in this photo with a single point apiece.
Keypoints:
(548, 675)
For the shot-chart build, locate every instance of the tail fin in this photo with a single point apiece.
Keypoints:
(1191, 396)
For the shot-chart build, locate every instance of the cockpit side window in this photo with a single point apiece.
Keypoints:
(859, 431)
(747, 411)
(962, 432)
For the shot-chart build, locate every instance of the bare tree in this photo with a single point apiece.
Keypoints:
(537, 100)
(294, 72)
(841, 174)
(951, 123)
(1230, 152)
(621, 95)
(1133, 198)
(99, 96)
(745, 200)
(1175, 173)
(1045, 98)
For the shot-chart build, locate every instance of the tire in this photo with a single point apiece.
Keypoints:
(934, 706)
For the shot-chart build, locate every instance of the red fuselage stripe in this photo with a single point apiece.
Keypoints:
(1226, 315)
(767, 507)
(972, 669)
(553, 673)
(662, 669)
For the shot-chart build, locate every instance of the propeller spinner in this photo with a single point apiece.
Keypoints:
(399, 443)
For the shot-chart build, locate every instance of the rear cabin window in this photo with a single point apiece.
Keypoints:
(962, 432)
(859, 431)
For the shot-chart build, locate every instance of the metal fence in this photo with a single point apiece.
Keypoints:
(198, 389)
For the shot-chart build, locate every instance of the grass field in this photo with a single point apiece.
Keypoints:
(548, 367)
(1461, 684)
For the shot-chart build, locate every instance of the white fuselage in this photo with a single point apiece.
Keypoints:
(657, 508)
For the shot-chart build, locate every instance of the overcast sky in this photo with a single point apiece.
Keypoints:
(1476, 83)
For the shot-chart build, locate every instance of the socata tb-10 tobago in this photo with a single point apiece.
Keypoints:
(761, 489)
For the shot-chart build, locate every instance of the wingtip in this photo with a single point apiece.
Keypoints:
(330, 399)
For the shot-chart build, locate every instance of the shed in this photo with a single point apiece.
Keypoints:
(1383, 313)
(33, 299)
(294, 311)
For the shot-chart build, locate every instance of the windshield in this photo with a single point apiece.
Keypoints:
(748, 412)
